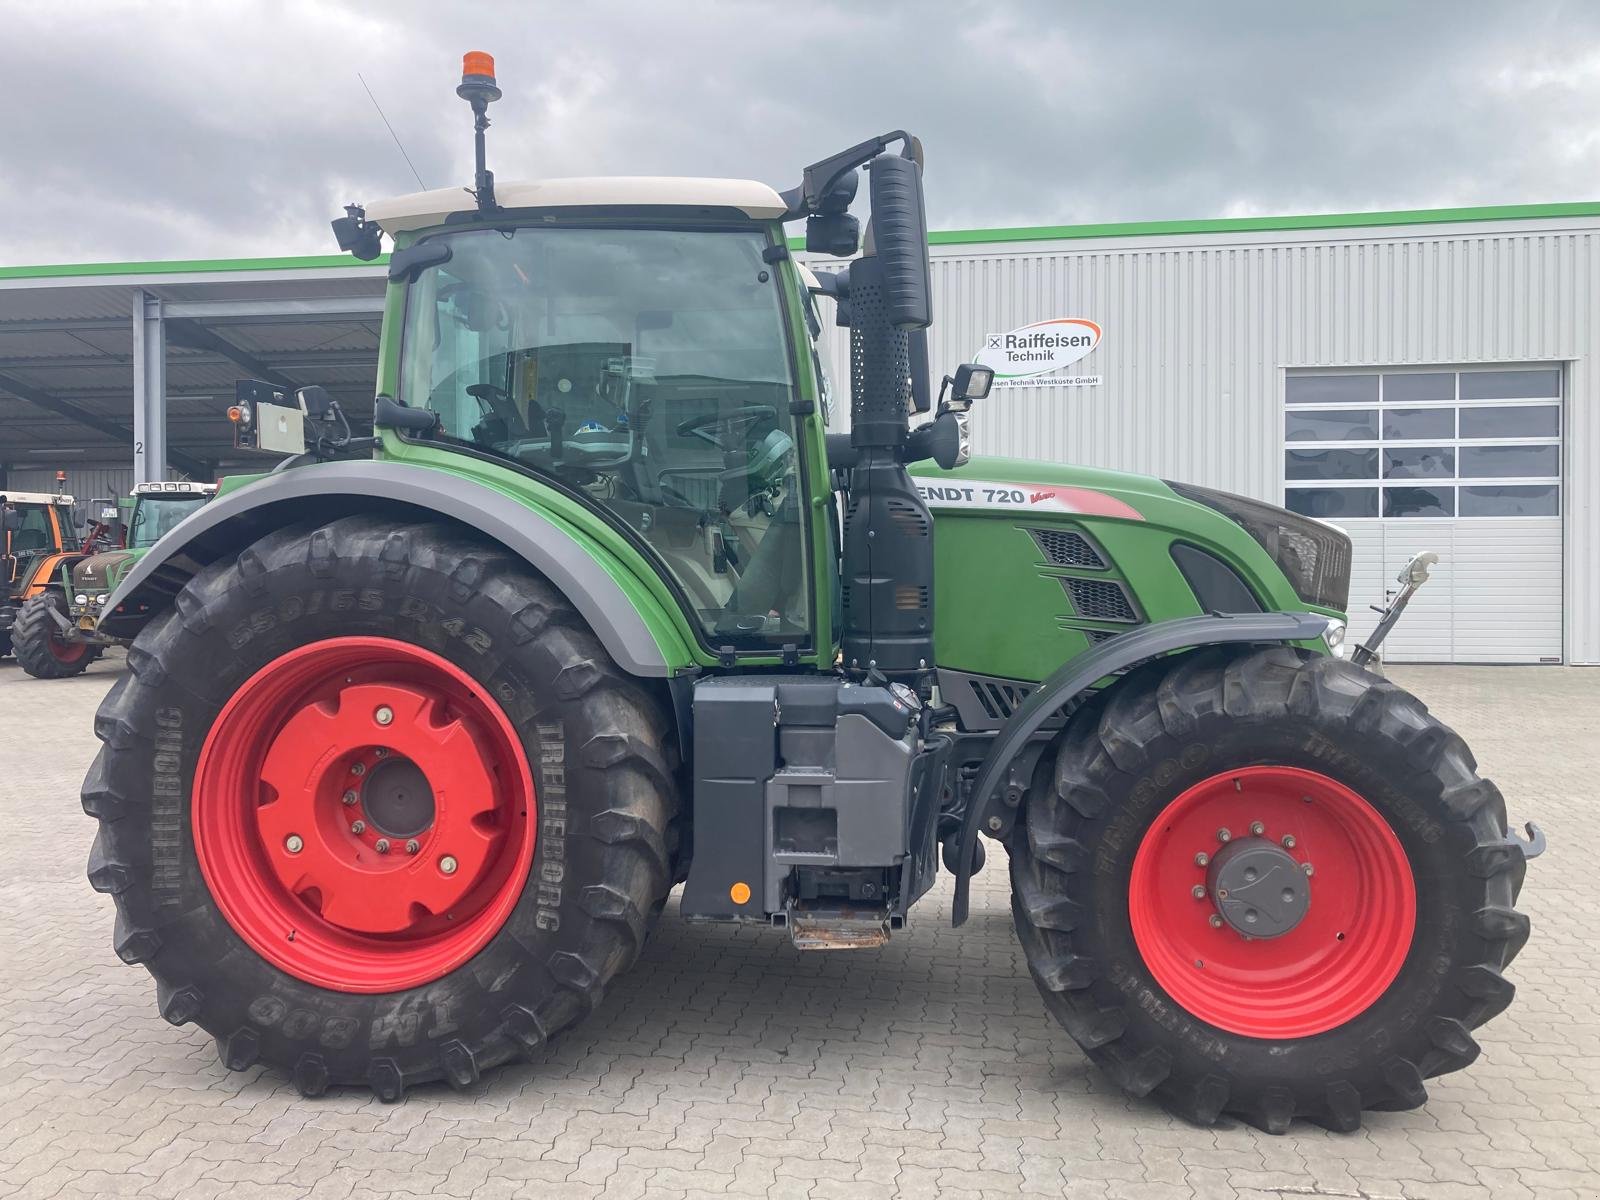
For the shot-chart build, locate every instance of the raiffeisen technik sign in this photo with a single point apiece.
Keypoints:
(1033, 355)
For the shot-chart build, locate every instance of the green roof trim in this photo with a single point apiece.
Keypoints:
(946, 237)
(190, 266)
(1310, 221)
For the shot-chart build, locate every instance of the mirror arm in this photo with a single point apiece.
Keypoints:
(819, 177)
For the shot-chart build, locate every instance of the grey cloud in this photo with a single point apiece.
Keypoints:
(146, 131)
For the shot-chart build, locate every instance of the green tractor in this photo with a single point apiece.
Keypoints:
(56, 634)
(422, 728)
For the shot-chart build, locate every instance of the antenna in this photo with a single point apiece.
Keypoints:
(392, 133)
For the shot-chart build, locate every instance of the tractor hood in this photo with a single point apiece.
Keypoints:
(1077, 554)
(102, 572)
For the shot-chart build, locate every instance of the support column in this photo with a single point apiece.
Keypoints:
(149, 390)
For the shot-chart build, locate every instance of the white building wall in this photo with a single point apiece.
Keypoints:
(1199, 330)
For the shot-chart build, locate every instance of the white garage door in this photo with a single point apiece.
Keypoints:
(1464, 462)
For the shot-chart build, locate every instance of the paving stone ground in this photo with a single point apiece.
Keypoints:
(728, 1064)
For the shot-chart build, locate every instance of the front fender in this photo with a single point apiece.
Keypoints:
(585, 573)
(1078, 675)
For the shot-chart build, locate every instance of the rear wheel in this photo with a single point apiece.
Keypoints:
(37, 642)
(1269, 884)
(377, 808)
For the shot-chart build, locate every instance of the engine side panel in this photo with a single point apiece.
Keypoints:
(1036, 563)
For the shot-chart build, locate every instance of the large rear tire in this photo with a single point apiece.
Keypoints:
(37, 642)
(1379, 960)
(337, 685)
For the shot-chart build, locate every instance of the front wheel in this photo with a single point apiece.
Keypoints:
(1269, 884)
(377, 808)
(37, 642)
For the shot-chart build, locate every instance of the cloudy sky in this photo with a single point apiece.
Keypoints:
(223, 128)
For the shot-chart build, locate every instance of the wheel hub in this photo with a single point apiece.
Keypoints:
(397, 798)
(1258, 888)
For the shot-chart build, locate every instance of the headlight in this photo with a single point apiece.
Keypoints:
(1313, 554)
(80, 598)
(1334, 637)
(102, 597)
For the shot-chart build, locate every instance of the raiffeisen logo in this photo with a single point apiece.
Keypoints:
(1038, 349)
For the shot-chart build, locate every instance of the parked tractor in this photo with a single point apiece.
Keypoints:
(37, 534)
(56, 632)
(423, 727)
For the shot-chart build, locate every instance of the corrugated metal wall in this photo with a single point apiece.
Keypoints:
(83, 483)
(1198, 331)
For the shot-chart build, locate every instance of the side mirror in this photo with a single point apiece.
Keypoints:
(900, 240)
(10, 519)
(921, 386)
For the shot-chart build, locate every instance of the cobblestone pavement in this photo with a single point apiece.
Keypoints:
(727, 1064)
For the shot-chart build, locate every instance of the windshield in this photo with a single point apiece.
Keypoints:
(154, 516)
(647, 369)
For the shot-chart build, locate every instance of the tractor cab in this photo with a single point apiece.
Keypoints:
(649, 366)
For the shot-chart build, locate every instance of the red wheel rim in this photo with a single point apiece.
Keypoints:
(1326, 970)
(66, 652)
(318, 757)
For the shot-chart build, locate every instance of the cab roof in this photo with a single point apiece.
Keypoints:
(35, 498)
(419, 210)
(178, 488)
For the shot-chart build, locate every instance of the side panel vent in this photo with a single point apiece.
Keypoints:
(997, 698)
(1100, 600)
(1068, 548)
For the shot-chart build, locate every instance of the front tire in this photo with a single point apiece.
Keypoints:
(1378, 962)
(37, 642)
(522, 783)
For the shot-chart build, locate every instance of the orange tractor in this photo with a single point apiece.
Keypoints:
(38, 537)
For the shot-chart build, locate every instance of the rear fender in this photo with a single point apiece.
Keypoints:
(1080, 674)
(582, 570)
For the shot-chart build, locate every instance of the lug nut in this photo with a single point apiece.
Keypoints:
(1198, 891)
(358, 769)
(1288, 841)
(447, 864)
(1223, 835)
(1309, 869)
(1202, 859)
(348, 798)
(1216, 921)
(413, 846)
(358, 827)
(294, 843)
(384, 715)
(382, 846)
(1257, 828)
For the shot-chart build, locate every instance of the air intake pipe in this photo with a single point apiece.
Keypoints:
(888, 533)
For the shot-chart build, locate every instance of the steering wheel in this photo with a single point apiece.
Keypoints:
(497, 401)
(744, 415)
